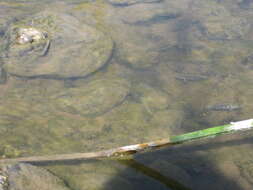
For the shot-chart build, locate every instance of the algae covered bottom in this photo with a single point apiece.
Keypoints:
(87, 75)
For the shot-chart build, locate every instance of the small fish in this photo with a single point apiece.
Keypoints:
(224, 107)
(123, 3)
(155, 19)
(3, 76)
(191, 78)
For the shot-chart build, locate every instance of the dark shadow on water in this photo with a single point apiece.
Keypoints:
(181, 167)
(154, 174)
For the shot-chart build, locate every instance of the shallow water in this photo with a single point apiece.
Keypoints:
(110, 74)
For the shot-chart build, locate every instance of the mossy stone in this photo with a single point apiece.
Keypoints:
(68, 50)
(94, 98)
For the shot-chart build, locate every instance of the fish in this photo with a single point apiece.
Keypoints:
(191, 78)
(224, 107)
(3, 76)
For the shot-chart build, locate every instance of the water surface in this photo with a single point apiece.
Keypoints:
(116, 73)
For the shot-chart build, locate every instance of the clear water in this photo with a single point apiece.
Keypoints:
(171, 64)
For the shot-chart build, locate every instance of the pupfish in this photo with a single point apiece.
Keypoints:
(191, 78)
(3, 76)
(224, 107)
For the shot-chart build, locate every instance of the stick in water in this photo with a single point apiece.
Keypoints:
(132, 149)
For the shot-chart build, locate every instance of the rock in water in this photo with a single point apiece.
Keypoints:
(95, 98)
(28, 177)
(56, 46)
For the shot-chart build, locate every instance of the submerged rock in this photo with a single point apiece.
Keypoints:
(28, 177)
(54, 45)
(95, 98)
